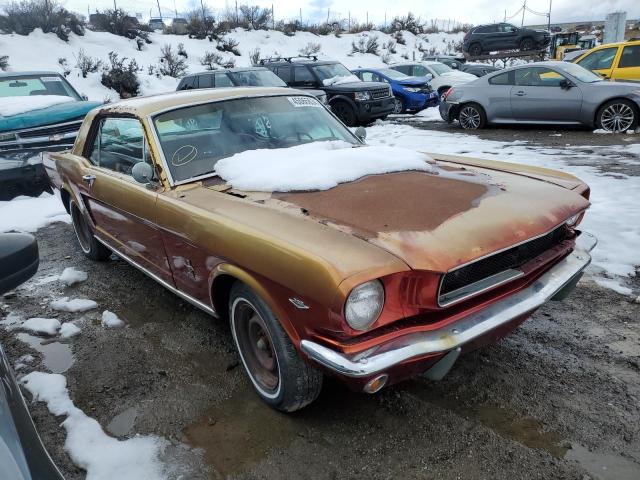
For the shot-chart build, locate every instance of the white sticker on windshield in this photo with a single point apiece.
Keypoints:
(304, 102)
(50, 79)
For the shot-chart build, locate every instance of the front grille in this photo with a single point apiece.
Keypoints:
(379, 93)
(49, 130)
(500, 262)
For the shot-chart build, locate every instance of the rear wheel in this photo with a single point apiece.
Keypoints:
(345, 113)
(526, 44)
(472, 117)
(279, 376)
(475, 50)
(398, 105)
(617, 116)
(88, 243)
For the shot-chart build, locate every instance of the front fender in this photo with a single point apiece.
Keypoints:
(343, 98)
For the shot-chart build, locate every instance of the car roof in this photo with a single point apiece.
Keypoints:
(418, 62)
(303, 61)
(34, 72)
(145, 106)
(228, 70)
(616, 44)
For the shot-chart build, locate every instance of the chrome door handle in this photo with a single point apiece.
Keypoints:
(520, 94)
(89, 179)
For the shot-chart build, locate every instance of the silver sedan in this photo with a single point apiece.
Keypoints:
(544, 93)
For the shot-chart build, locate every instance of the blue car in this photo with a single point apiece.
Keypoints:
(412, 94)
(39, 112)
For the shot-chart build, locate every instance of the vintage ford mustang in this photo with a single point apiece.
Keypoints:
(375, 279)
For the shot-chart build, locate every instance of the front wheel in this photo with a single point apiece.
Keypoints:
(617, 116)
(279, 376)
(526, 44)
(472, 116)
(345, 113)
(475, 50)
(398, 105)
(91, 247)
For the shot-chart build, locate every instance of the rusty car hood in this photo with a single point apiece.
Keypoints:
(439, 221)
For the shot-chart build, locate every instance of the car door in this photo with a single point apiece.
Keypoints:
(497, 103)
(491, 38)
(539, 95)
(628, 64)
(508, 36)
(122, 210)
(600, 61)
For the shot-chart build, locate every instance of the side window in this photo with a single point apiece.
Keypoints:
(188, 83)
(537, 77)
(302, 76)
(630, 57)
(205, 81)
(420, 71)
(284, 73)
(119, 145)
(366, 76)
(600, 59)
(502, 79)
(406, 69)
(506, 28)
(222, 80)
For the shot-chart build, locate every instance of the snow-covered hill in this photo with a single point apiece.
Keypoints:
(39, 51)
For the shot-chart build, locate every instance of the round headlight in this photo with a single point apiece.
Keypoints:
(364, 305)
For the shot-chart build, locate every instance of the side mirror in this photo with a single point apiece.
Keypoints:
(361, 133)
(429, 77)
(84, 97)
(142, 172)
(566, 84)
(455, 66)
(19, 258)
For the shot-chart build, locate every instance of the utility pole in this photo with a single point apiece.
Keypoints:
(159, 10)
(349, 22)
(273, 19)
(524, 8)
(505, 15)
(327, 16)
(300, 16)
(549, 17)
(175, 9)
(114, 5)
(367, 19)
(204, 18)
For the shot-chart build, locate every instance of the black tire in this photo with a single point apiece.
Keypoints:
(475, 50)
(625, 111)
(345, 113)
(398, 105)
(279, 376)
(526, 44)
(91, 247)
(471, 116)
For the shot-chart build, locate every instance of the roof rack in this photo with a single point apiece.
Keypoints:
(287, 59)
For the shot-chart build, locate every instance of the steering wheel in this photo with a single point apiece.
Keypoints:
(263, 126)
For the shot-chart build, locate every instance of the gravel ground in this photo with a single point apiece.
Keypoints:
(558, 398)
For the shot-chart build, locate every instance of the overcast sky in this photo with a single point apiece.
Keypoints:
(471, 11)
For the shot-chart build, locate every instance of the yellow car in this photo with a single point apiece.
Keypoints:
(618, 61)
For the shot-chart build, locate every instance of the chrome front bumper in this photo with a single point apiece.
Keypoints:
(384, 356)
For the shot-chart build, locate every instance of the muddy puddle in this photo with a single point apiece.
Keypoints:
(56, 356)
(122, 424)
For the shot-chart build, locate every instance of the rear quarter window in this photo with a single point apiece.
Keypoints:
(501, 79)
(630, 57)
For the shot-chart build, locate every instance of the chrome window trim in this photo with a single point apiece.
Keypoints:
(153, 276)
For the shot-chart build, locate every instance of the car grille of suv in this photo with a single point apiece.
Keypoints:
(57, 129)
(379, 93)
(495, 269)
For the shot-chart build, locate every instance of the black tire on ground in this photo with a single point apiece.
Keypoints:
(472, 116)
(618, 116)
(279, 376)
(475, 50)
(91, 247)
(345, 113)
(398, 105)
(526, 44)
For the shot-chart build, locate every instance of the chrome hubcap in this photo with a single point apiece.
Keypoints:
(469, 118)
(397, 106)
(617, 118)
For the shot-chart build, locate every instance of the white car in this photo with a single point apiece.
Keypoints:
(444, 77)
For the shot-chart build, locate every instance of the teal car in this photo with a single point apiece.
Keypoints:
(39, 112)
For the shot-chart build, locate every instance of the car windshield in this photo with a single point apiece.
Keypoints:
(256, 78)
(581, 73)
(194, 138)
(331, 72)
(30, 85)
(440, 68)
(396, 75)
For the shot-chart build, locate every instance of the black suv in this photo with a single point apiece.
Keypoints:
(352, 100)
(238, 77)
(503, 36)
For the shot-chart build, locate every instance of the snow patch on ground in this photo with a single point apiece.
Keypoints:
(11, 319)
(314, 166)
(16, 105)
(28, 214)
(69, 329)
(47, 326)
(74, 305)
(111, 320)
(71, 276)
(90, 448)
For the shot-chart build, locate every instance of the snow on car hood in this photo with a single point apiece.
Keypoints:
(339, 79)
(315, 166)
(459, 75)
(10, 106)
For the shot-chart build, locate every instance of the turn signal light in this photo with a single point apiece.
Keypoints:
(375, 384)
